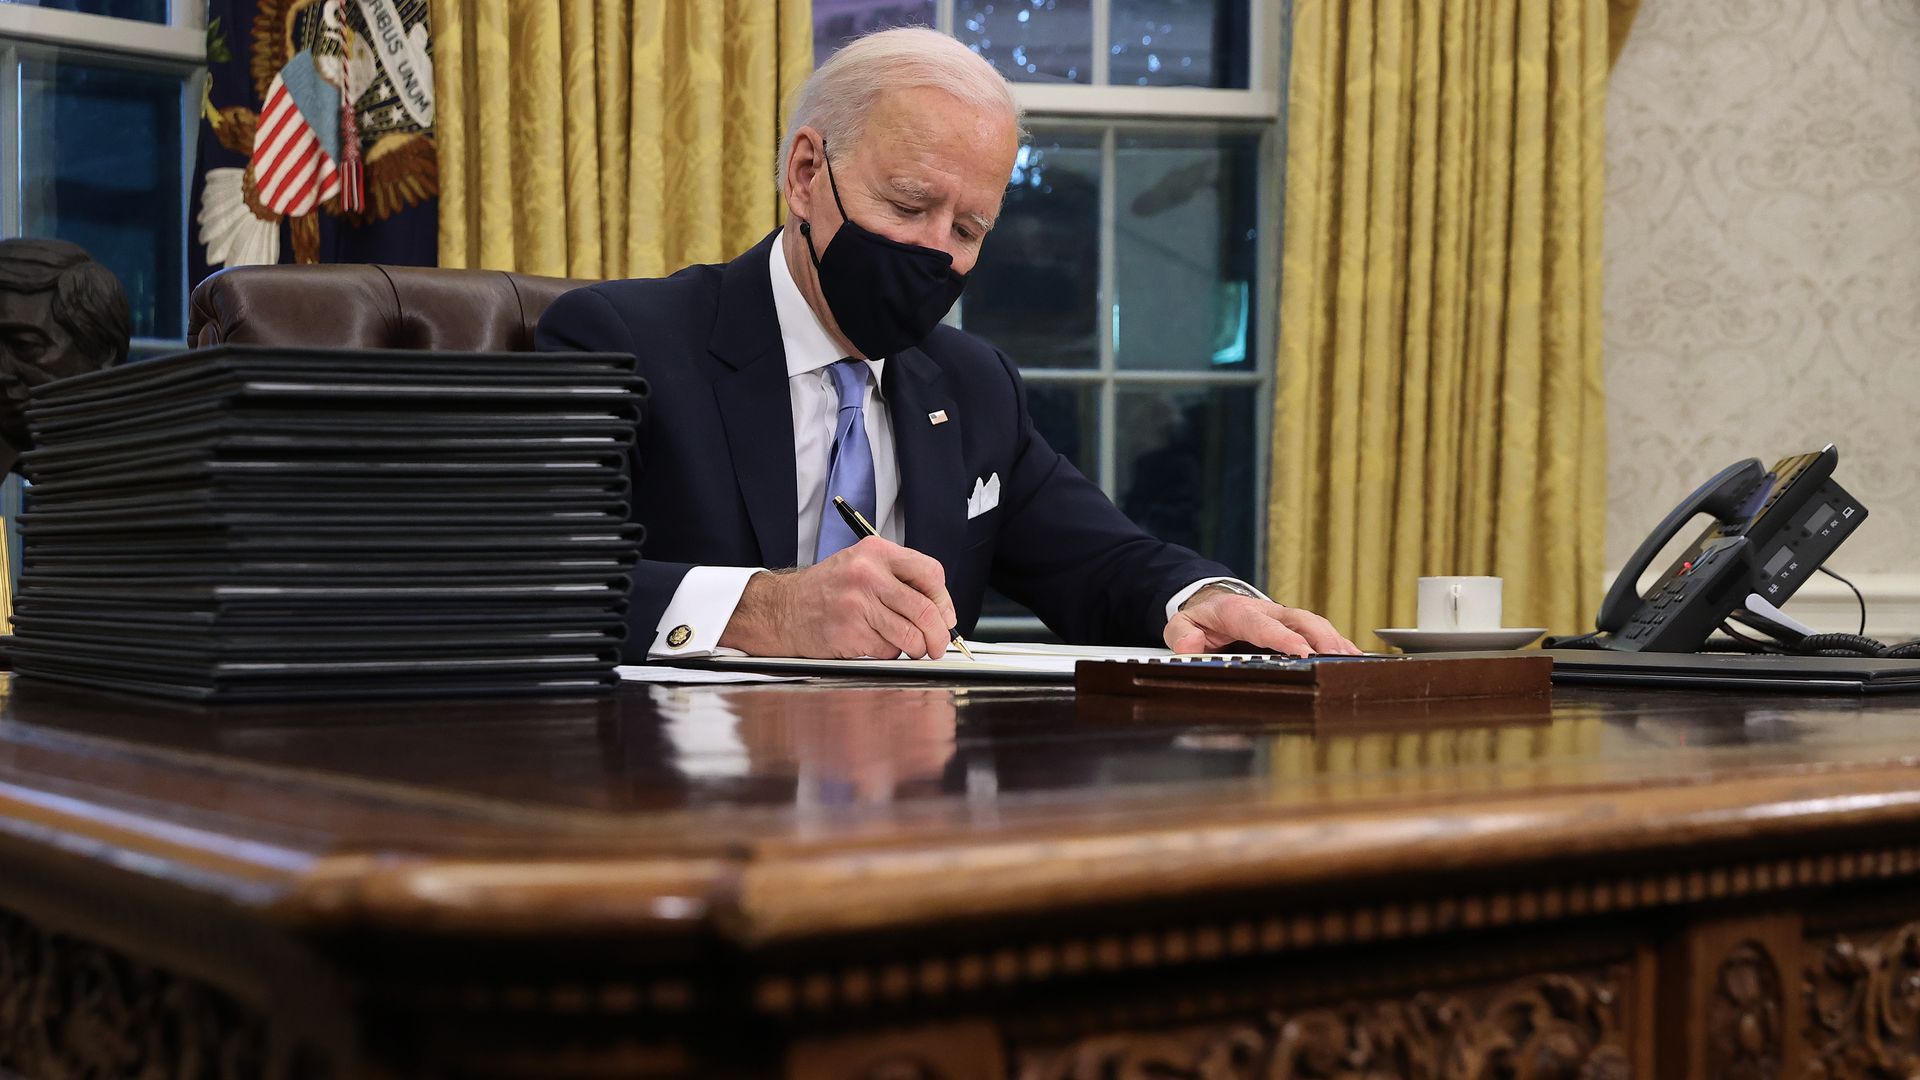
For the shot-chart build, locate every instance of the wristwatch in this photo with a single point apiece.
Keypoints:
(1227, 585)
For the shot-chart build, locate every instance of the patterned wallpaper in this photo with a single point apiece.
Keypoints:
(1763, 256)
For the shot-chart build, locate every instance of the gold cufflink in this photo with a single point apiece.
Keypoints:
(679, 636)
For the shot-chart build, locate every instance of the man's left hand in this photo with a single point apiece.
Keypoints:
(1213, 618)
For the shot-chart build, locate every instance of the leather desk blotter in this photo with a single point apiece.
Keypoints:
(1321, 681)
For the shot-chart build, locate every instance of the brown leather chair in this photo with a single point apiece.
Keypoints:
(359, 305)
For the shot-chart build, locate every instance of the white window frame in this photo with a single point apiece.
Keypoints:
(1097, 103)
(182, 39)
(30, 33)
(177, 48)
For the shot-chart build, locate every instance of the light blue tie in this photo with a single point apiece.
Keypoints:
(850, 464)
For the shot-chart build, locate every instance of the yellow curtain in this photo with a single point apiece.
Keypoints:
(1440, 399)
(611, 138)
(1620, 15)
(6, 581)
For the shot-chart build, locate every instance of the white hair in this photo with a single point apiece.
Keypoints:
(837, 97)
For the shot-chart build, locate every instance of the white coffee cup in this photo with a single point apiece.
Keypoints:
(1459, 603)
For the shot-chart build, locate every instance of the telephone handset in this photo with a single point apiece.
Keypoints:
(1771, 528)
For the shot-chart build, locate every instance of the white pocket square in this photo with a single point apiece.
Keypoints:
(986, 496)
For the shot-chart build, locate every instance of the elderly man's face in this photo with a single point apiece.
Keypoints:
(34, 349)
(927, 170)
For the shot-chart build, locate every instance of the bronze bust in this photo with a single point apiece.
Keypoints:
(61, 314)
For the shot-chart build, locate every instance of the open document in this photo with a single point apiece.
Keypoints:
(999, 661)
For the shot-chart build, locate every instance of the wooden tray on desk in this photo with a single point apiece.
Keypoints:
(1323, 681)
(1209, 713)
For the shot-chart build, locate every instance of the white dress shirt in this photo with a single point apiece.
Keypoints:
(708, 595)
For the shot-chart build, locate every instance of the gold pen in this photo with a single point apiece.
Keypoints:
(863, 528)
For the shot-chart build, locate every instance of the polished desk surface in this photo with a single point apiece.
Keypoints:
(779, 812)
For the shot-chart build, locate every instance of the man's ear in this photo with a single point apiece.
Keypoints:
(804, 162)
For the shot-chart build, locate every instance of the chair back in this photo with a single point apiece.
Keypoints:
(371, 306)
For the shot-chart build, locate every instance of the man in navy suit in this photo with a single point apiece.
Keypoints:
(814, 365)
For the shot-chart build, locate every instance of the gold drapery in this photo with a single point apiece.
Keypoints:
(1440, 408)
(6, 581)
(611, 138)
(1620, 15)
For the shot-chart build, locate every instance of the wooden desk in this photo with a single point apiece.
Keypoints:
(864, 881)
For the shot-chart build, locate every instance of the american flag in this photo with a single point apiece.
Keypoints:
(292, 171)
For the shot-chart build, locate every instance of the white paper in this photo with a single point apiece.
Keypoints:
(996, 660)
(1001, 660)
(953, 665)
(663, 673)
(1077, 652)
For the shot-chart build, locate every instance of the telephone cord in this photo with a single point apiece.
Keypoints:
(1861, 600)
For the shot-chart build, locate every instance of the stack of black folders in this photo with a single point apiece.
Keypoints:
(284, 524)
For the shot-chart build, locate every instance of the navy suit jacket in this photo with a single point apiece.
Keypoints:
(714, 477)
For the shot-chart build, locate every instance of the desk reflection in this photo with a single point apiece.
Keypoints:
(837, 746)
(820, 749)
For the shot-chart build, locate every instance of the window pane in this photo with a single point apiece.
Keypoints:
(101, 165)
(1036, 290)
(1179, 43)
(1188, 465)
(836, 22)
(1186, 250)
(1030, 40)
(144, 10)
(1067, 415)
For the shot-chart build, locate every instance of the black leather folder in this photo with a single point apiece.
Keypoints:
(427, 679)
(610, 418)
(329, 503)
(323, 566)
(283, 375)
(378, 520)
(215, 543)
(170, 617)
(316, 641)
(225, 479)
(1735, 671)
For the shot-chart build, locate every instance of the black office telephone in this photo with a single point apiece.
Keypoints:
(1771, 529)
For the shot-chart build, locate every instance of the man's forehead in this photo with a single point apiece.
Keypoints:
(909, 159)
(932, 107)
(930, 118)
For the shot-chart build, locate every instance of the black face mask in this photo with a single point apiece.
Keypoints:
(886, 296)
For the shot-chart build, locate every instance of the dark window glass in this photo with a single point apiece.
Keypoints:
(836, 22)
(154, 11)
(1035, 291)
(1187, 467)
(1186, 250)
(101, 167)
(1179, 43)
(1030, 40)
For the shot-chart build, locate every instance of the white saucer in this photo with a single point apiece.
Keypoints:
(1410, 640)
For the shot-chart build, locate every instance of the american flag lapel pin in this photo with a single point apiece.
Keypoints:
(937, 416)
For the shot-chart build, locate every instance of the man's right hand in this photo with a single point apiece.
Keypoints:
(875, 598)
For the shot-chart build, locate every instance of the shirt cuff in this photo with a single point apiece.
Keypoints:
(699, 611)
(1181, 597)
